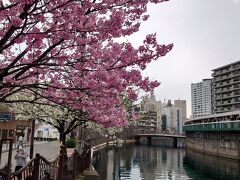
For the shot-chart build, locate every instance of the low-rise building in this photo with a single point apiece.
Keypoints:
(15, 129)
(10, 128)
(46, 132)
(150, 114)
(148, 122)
(162, 117)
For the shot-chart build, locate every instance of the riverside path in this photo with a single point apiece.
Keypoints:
(46, 149)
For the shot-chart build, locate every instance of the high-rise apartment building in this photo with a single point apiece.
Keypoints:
(201, 94)
(226, 87)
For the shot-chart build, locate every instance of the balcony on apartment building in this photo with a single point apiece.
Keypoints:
(235, 106)
(222, 71)
(236, 73)
(223, 89)
(223, 83)
(223, 108)
(227, 69)
(230, 101)
(223, 96)
(222, 78)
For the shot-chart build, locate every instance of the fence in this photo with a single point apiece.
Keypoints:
(61, 168)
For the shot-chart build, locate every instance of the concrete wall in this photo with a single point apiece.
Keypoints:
(213, 166)
(163, 141)
(221, 144)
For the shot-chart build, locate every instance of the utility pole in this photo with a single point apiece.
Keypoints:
(32, 139)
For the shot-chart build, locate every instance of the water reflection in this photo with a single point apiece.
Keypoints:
(140, 162)
(155, 163)
(212, 166)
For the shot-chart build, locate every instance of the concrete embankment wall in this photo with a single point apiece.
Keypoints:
(110, 143)
(215, 167)
(220, 144)
(163, 142)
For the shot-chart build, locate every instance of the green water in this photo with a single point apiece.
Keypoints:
(138, 162)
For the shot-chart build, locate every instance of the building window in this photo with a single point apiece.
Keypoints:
(5, 134)
(11, 133)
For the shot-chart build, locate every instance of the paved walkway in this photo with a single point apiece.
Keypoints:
(5, 147)
(46, 149)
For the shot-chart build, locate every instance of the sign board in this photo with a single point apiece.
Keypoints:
(5, 116)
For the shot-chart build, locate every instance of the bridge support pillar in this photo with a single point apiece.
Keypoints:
(137, 139)
(175, 142)
(149, 140)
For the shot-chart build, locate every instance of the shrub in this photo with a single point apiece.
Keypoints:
(71, 143)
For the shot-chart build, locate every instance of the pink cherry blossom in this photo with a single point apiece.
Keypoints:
(65, 52)
(16, 21)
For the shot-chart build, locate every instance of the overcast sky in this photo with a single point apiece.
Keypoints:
(205, 34)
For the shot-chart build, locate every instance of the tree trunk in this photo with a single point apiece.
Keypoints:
(63, 142)
(62, 133)
(62, 138)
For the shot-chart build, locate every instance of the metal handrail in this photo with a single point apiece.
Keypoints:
(39, 167)
(23, 168)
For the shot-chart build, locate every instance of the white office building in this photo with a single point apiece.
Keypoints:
(201, 94)
(172, 116)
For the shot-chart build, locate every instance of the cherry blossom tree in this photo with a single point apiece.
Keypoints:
(65, 120)
(64, 51)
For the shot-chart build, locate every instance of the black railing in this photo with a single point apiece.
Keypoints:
(61, 168)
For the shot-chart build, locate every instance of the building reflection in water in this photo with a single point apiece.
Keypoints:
(137, 162)
(212, 166)
(140, 162)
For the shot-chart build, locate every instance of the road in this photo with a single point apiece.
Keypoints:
(46, 149)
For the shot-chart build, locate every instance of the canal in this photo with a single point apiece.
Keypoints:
(137, 162)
